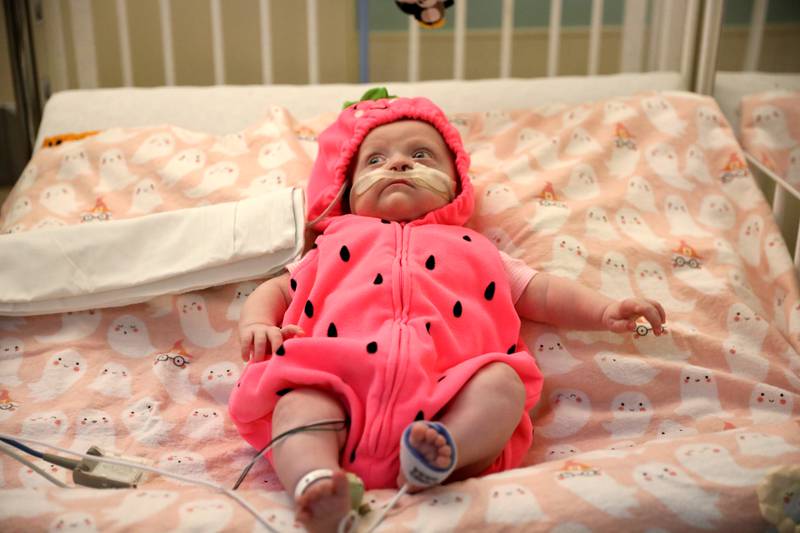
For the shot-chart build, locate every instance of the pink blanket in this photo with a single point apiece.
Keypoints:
(647, 196)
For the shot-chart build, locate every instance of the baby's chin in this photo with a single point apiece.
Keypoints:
(398, 207)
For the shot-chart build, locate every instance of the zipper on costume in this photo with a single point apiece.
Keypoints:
(393, 361)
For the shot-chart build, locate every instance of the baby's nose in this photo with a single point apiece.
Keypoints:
(400, 163)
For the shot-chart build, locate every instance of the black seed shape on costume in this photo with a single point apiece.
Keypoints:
(313, 246)
(512, 349)
(467, 238)
(489, 292)
(293, 284)
(378, 279)
(430, 263)
(457, 309)
(353, 456)
(372, 347)
(440, 379)
(332, 330)
(280, 350)
(428, 326)
(344, 253)
(384, 221)
(420, 416)
(285, 391)
(309, 310)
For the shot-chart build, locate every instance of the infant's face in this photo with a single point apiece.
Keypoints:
(398, 146)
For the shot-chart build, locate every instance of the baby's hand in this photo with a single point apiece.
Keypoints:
(620, 317)
(257, 340)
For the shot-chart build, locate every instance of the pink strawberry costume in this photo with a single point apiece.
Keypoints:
(398, 316)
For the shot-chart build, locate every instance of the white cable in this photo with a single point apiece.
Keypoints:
(389, 507)
(120, 462)
(9, 450)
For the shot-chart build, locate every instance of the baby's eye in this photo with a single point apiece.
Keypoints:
(374, 159)
(421, 154)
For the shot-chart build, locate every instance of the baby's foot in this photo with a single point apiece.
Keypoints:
(431, 445)
(324, 504)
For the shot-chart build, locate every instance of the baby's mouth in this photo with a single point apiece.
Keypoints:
(407, 183)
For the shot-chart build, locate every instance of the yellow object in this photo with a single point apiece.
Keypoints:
(57, 140)
(779, 498)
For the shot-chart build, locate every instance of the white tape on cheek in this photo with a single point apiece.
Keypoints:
(419, 176)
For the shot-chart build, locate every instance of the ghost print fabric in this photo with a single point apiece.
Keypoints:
(645, 196)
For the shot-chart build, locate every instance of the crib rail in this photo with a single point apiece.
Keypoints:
(670, 22)
(781, 195)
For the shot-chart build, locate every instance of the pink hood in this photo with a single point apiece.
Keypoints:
(339, 143)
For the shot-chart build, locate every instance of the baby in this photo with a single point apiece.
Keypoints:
(399, 321)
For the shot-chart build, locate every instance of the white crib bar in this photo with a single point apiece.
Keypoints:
(168, 49)
(797, 249)
(413, 49)
(83, 43)
(594, 36)
(124, 43)
(757, 20)
(656, 28)
(665, 34)
(687, 48)
(460, 42)
(266, 41)
(554, 33)
(779, 204)
(57, 45)
(709, 46)
(506, 33)
(633, 26)
(782, 189)
(217, 42)
(313, 42)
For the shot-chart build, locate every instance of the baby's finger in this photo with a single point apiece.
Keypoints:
(652, 315)
(621, 325)
(275, 338)
(246, 343)
(660, 310)
(292, 331)
(259, 346)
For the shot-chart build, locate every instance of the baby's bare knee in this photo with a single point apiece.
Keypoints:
(501, 380)
(305, 406)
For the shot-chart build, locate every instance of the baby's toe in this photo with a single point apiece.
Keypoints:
(418, 434)
(442, 461)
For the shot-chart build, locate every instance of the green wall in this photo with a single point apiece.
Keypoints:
(385, 15)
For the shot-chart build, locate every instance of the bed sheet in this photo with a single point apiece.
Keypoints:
(646, 195)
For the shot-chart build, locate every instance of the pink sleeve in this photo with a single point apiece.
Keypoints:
(519, 275)
(293, 265)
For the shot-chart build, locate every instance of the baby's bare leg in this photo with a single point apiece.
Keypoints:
(328, 500)
(483, 416)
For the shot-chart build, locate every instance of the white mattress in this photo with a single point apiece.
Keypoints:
(227, 109)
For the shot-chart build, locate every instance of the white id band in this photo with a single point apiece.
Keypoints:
(311, 478)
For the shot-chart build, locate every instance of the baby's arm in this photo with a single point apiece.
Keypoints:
(261, 316)
(565, 303)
